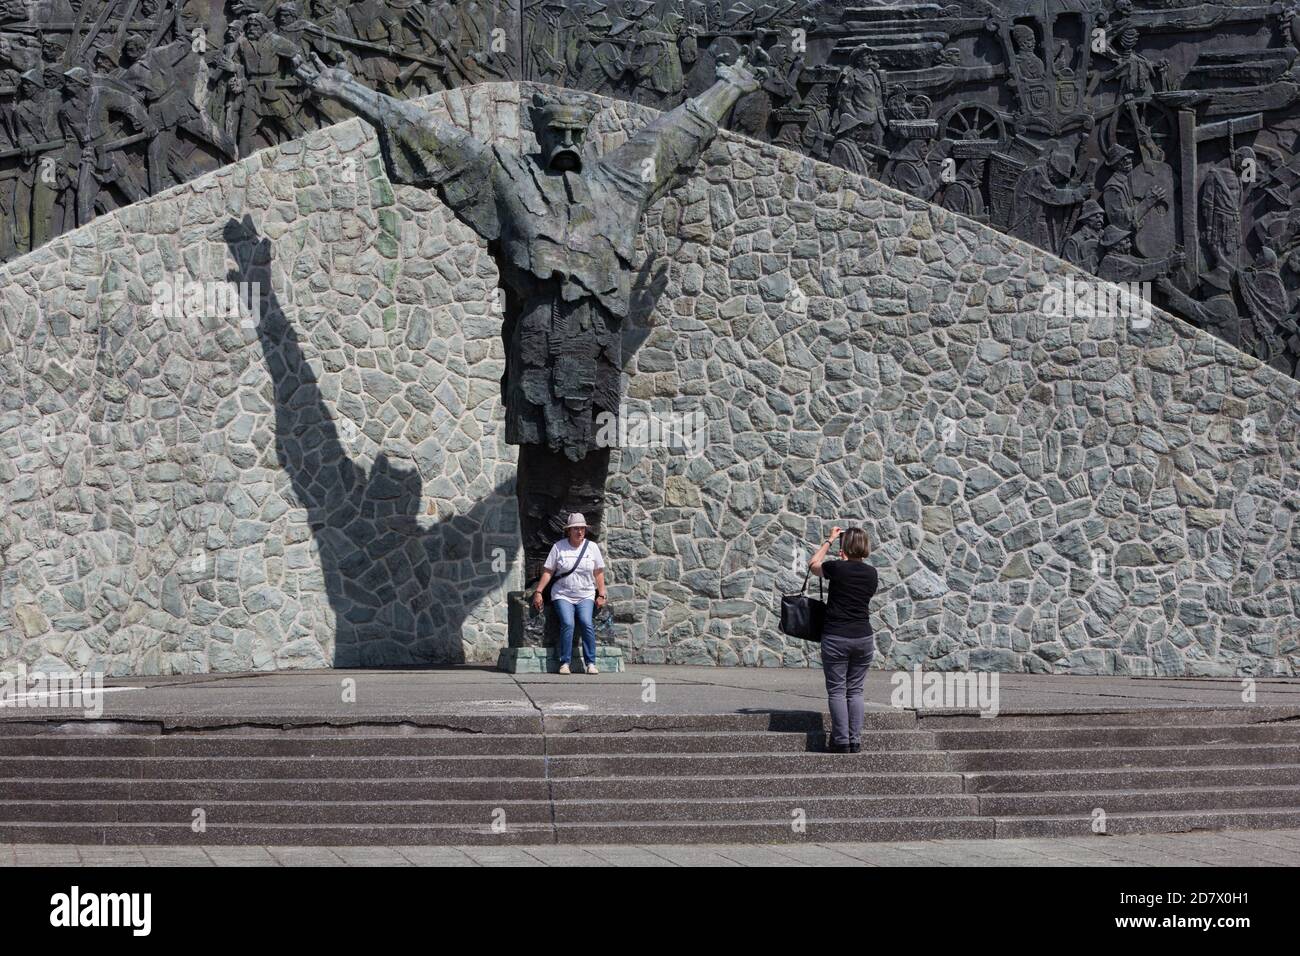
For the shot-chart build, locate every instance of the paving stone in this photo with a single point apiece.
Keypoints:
(112, 856)
(818, 855)
(694, 855)
(1158, 850)
(629, 856)
(370, 856)
(1232, 852)
(564, 856)
(24, 855)
(760, 856)
(1281, 840)
(176, 856)
(436, 856)
(501, 856)
(242, 856)
(305, 856)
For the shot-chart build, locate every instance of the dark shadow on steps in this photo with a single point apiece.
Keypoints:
(807, 722)
(400, 591)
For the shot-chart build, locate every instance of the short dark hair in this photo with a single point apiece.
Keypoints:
(854, 543)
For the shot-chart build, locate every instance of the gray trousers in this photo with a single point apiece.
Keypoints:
(844, 662)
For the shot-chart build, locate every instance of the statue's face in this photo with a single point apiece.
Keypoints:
(562, 148)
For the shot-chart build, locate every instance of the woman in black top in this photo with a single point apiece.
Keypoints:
(847, 644)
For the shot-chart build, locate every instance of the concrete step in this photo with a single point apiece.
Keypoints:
(1138, 801)
(993, 738)
(435, 812)
(1165, 821)
(600, 744)
(354, 768)
(1116, 757)
(522, 720)
(276, 745)
(575, 788)
(179, 834)
(774, 831)
(304, 812)
(639, 764)
(779, 831)
(432, 745)
(1173, 716)
(649, 765)
(645, 778)
(1046, 781)
(726, 742)
(796, 721)
(532, 722)
(763, 808)
(792, 785)
(789, 830)
(199, 790)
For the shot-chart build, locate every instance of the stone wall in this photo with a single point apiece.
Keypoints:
(315, 479)
(1042, 494)
(1084, 495)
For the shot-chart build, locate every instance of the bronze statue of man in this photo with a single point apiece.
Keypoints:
(561, 228)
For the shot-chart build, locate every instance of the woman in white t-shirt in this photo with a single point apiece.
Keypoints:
(578, 569)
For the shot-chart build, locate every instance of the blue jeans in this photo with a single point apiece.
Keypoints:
(584, 611)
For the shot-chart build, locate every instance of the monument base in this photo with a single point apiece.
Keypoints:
(545, 660)
(533, 636)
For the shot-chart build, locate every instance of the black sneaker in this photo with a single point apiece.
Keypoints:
(839, 748)
(855, 748)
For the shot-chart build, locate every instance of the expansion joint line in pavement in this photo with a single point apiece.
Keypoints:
(546, 758)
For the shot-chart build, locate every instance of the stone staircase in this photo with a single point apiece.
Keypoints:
(733, 778)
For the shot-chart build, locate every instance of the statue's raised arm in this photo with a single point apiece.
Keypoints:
(650, 162)
(419, 149)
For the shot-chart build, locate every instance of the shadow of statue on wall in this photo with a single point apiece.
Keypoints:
(401, 590)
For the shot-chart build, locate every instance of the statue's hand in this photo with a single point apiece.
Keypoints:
(738, 74)
(321, 79)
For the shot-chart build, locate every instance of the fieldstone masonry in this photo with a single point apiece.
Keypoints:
(1043, 494)
(186, 493)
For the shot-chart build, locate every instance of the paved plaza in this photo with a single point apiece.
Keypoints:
(1225, 848)
(421, 696)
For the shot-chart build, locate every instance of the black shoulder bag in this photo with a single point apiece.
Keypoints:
(803, 616)
(546, 591)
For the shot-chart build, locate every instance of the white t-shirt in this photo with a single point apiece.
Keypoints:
(581, 584)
